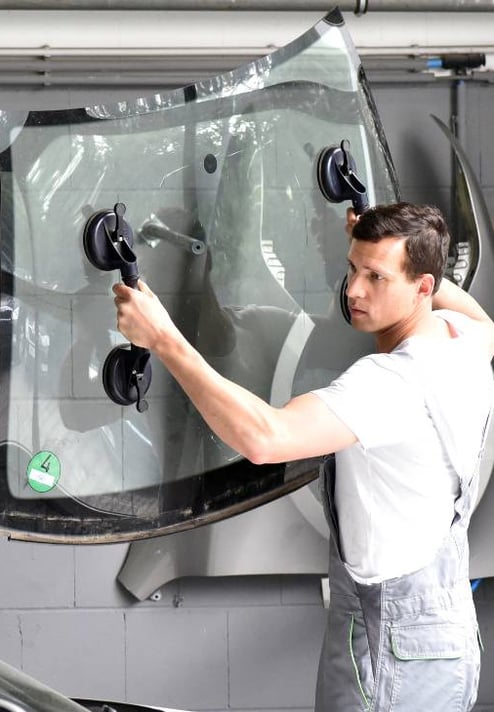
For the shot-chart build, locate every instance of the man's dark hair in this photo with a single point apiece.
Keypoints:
(422, 226)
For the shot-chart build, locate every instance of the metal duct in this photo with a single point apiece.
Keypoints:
(359, 7)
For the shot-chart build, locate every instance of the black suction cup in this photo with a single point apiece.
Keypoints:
(108, 242)
(345, 309)
(338, 181)
(337, 178)
(127, 376)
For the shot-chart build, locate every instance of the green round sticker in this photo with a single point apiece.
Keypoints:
(43, 471)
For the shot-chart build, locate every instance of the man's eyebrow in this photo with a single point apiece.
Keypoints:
(373, 268)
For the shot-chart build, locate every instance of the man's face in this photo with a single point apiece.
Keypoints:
(380, 293)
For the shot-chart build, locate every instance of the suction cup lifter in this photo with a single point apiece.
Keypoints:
(337, 178)
(338, 182)
(108, 242)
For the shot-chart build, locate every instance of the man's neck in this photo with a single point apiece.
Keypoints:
(421, 323)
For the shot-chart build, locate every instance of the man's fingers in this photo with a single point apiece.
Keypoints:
(351, 221)
(144, 288)
(123, 291)
(119, 289)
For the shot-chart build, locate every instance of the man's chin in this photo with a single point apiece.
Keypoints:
(360, 324)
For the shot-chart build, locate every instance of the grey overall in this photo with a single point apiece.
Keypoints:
(409, 644)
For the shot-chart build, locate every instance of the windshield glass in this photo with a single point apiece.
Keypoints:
(229, 227)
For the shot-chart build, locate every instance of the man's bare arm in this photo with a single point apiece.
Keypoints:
(304, 427)
(450, 296)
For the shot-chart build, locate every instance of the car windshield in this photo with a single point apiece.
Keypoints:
(217, 184)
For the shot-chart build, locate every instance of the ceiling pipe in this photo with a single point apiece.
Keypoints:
(175, 71)
(359, 7)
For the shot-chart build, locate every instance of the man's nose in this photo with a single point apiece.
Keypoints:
(355, 286)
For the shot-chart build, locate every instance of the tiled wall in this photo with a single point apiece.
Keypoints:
(207, 644)
(229, 643)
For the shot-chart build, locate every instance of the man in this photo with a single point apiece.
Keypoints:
(408, 432)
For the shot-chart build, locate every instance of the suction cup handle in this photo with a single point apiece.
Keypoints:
(360, 203)
(138, 370)
(108, 245)
(128, 266)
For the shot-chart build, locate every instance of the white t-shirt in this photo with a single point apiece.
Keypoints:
(396, 487)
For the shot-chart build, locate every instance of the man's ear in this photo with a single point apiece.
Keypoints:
(426, 285)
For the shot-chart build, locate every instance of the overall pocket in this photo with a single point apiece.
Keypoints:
(430, 667)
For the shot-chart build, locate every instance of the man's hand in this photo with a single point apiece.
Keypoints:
(351, 220)
(141, 317)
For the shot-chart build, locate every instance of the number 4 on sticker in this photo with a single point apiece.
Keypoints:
(43, 471)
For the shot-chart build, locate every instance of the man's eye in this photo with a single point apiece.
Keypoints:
(376, 276)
